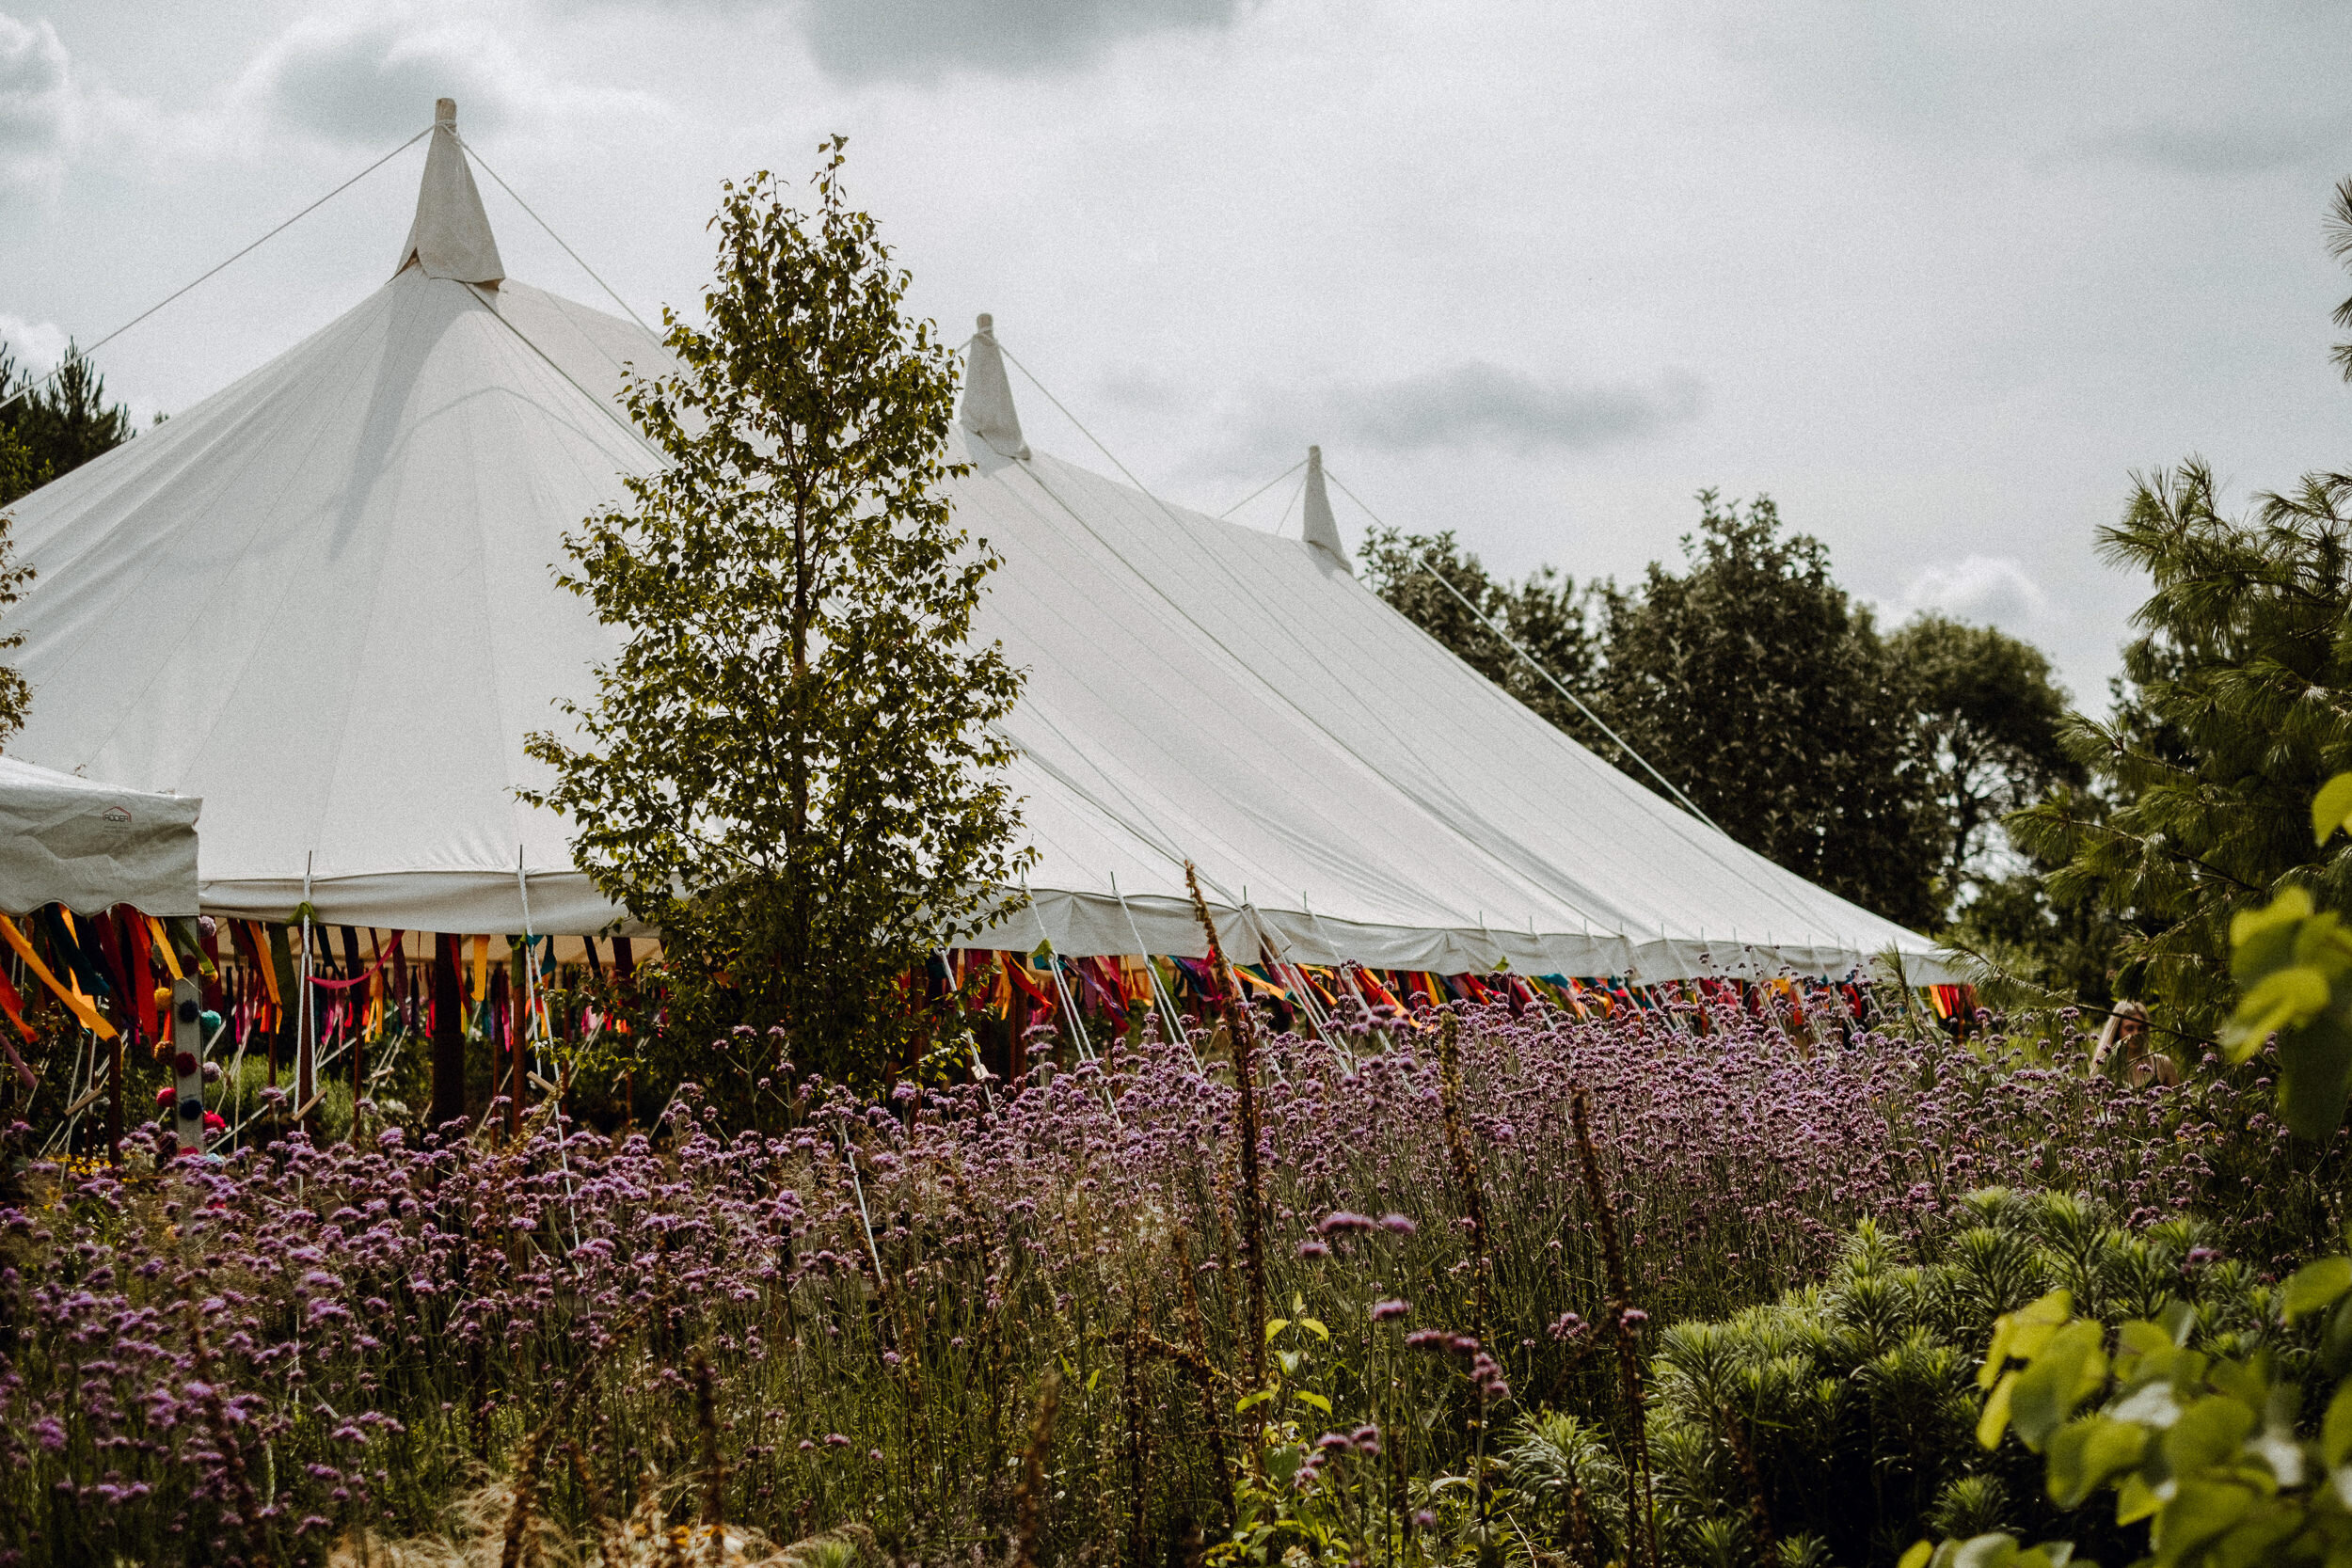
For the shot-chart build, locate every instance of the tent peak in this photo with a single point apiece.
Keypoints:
(1322, 528)
(451, 235)
(988, 411)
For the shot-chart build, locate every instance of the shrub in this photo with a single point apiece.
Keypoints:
(1848, 1410)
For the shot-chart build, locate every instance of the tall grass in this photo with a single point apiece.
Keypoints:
(1023, 1328)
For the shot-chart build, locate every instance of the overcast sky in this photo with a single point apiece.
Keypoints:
(1936, 278)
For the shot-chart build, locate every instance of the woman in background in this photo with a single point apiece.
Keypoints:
(2124, 1054)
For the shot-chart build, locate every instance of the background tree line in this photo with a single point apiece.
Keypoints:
(1879, 765)
(1934, 773)
(47, 428)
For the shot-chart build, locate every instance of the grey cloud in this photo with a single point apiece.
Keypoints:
(375, 82)
(2186, 86)
(36, 100)
(1476, 404)
(2240, 146)
(922, 39)
(1468, 405)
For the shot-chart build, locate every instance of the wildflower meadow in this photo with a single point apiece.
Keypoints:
(1444, 1306)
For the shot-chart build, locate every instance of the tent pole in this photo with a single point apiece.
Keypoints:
(1159, 995)
(114, 1098)
(980, 1068)
(1077, 1024)
(306, 1033)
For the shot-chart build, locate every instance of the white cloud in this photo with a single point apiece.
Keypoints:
(356, 76)
(1983, 590)
(365, 75)
(37, 103)
(35, 345)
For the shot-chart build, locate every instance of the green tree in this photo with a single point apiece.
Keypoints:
(56, 426)
(2238, 709)
(1546, 613)
(790, 768)
(16, 694)
(1881, 766)
(1756, 683)
(1989, 713)
(2340, 246)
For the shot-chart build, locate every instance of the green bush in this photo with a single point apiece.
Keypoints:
(1846, 1412)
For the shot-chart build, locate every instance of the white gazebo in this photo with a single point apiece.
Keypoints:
(89, 845)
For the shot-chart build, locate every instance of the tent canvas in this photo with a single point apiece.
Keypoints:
(91, 846)
(323, 600)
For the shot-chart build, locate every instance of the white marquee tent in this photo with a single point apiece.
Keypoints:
(323, 599)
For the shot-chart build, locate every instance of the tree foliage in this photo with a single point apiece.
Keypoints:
(2236, 710)
(790, 767)
(1756, 683)
(1878, 767)
(1988, 711)
(2340, 246)
(1558, 623)
(54, 427)
(16, 694)
(2214, 1451)
(42, 434)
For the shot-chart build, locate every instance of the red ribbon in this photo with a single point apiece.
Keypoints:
(391, 948)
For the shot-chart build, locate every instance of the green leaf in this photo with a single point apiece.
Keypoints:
(1248, 1401)
(2331, 808)
(1282, 1463)
(2177, 1318)
(2023, 1333)
(2314, 1076)
(2199, 1511)
(1315, 1327)
(1918, 1555)
(2335, 1429)
(1986, 1551)
(2144, 1349)
(2335, 1344)
(1273, 1326)
(1995, 1418)
(2068, 1369)
(2246, 1382)
(2318, 1286)
(2263, 940)
(2085, 1453)
(1303, 1397)
(2135, 1500)
(2208, 1432)
(2277, 1002)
